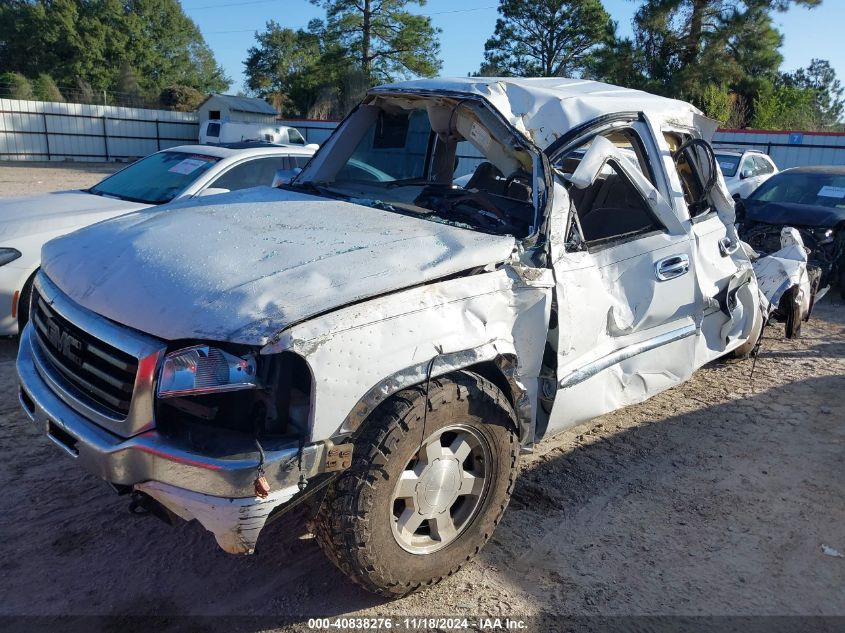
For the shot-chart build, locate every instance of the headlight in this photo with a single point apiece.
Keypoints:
(202, 369)
(8, 255)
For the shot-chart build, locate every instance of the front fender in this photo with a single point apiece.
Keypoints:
(361, 354)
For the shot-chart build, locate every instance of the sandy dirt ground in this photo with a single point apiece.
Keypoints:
(24, 178)
(717, 497)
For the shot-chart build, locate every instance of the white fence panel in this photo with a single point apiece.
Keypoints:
(313, 131)
(35, 130)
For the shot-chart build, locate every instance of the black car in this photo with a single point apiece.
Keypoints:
(811, 199)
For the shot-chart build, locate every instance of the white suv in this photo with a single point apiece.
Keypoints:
(745, 170)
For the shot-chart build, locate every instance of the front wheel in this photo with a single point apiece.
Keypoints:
(425, 492)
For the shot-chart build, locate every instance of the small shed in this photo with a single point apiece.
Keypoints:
(233, 108)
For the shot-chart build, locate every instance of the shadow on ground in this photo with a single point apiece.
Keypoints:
(721, 509)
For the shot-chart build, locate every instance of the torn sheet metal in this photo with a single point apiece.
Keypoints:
(602, 150)
(475, 318)
(544, 109)
(250, 263)
(235, 523)
(785, 269)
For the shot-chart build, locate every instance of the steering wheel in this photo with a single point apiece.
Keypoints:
(480, 199)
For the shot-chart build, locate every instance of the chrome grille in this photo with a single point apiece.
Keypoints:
(99, 373)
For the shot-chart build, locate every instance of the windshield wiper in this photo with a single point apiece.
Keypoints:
(407, 182)
(476, 218)
(314, 187)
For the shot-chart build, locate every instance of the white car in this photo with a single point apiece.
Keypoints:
(173, 174)
(744, 170)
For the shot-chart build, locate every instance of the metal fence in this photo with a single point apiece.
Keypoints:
(313, 130)
(42, 131)
(788, 149)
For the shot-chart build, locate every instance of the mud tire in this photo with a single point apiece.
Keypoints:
(353, 525)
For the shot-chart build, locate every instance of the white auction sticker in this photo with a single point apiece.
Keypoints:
(832, 192)
(187, 166)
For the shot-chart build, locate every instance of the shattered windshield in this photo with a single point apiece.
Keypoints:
(445, 160)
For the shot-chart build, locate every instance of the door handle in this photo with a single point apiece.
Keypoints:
(672, 267)
(727, 246)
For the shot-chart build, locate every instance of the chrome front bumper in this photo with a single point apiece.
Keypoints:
(150, 456)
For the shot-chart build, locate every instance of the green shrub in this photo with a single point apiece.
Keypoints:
(16, 86)
(45, 89)
(181, 98)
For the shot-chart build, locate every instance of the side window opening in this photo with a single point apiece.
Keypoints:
(626, 139)
(686, 158)
(253, 173)
(612, 208)
(294, 137)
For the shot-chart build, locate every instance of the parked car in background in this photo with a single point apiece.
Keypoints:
(744, 169)
(810, 199)
(381, 342)
(223, 132)
(187, 171)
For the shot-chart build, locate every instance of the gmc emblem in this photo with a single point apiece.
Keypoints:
(68, 346)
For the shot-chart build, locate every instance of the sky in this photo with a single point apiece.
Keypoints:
(229, 28)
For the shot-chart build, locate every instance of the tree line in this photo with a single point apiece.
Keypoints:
(144, 52)
(722, 55)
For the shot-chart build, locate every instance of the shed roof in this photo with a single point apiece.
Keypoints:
(245, 104)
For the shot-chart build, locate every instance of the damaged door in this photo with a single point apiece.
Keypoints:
(724, 284)
(625, 287)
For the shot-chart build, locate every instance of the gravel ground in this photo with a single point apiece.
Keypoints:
(714, 498)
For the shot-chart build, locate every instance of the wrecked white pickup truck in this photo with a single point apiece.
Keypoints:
(377, 334)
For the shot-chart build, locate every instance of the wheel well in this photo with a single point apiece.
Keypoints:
(500, 371)
(492, 372)
(26, 292)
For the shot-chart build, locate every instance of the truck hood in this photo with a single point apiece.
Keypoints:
(62, 210)
(241, 267)
(787, 214)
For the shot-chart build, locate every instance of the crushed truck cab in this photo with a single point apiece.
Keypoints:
(465, 267)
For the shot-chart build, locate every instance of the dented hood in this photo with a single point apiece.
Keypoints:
(243, 266)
